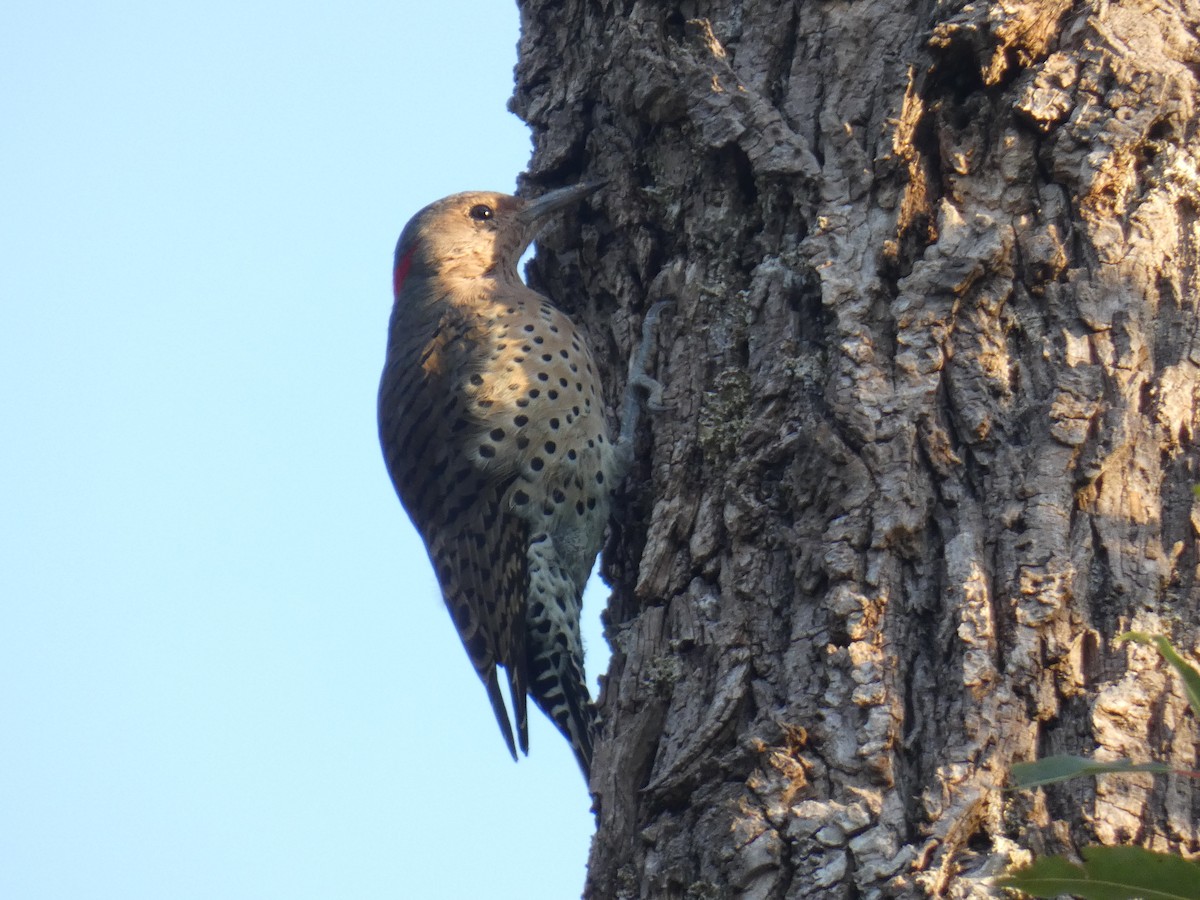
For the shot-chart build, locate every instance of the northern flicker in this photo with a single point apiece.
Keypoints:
(492, 425)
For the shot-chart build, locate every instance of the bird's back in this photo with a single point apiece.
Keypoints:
(493, 431)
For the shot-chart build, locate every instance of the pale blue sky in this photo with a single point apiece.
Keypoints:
(225, 671)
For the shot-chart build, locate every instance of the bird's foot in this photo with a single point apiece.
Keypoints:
(642, 391)
(650, 391)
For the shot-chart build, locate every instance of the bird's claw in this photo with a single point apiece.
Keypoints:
(652, 391)
(641, 390)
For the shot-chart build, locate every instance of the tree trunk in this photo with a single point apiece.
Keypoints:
(932, 372)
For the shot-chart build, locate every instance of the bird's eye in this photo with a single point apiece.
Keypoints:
(481, 212)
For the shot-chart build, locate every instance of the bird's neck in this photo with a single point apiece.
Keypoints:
(454, 284)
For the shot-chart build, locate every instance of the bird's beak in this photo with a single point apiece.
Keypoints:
(538, 210)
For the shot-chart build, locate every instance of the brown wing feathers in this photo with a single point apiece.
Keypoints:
(477, 549)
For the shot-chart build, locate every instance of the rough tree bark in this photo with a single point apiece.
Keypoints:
(933, 375)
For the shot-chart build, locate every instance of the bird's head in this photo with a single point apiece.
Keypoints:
(476, 234)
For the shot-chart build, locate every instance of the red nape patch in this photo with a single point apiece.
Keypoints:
(401, 271)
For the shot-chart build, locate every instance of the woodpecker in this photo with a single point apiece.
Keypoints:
(492, 425)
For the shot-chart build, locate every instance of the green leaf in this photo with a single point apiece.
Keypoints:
(1060, 768)
(1110, 873)
(1188, 672)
